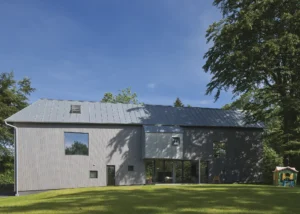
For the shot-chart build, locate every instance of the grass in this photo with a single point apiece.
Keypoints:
(181, 199)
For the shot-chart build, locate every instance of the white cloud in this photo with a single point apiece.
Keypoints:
(151, 85)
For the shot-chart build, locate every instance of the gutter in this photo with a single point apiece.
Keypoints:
(16, 156)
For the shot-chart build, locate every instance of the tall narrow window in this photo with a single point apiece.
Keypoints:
(76, 143)
(219, 149)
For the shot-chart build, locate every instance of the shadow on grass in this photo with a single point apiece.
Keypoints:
(175, 199)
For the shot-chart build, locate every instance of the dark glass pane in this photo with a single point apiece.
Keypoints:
(178, 170)
(149, 166)
(194, 171)
(159, 164)
(130, 168)
(187, 177)
(204, 172)
(110, 175)
(168, 171)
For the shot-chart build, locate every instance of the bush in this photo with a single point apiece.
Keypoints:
(270, 160)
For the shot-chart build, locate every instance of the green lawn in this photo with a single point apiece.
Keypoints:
(190, 199)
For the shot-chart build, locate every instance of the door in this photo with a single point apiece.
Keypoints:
(110, 173)
(204, 171)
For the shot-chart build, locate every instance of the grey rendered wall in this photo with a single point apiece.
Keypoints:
(44, 165)
(159, 145)
(243, 152)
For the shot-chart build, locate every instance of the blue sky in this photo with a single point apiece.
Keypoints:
(78, 50)
(71, 137)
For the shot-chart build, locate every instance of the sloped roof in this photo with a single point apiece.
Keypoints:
(58, 111)
(280, 168)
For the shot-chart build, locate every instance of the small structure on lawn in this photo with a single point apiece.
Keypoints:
(285, 176)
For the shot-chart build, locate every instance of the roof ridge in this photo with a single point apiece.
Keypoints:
(159, 105)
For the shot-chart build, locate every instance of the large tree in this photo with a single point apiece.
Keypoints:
(124, 96)
(256, 48)
(13, 97)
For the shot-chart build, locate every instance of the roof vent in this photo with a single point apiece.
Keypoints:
(75, 109)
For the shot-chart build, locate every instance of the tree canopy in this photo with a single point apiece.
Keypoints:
(13, 97)
(178, 103)
(77, 148)
(124, 96)
(256, 49)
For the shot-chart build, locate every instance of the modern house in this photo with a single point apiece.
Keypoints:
(69, 144)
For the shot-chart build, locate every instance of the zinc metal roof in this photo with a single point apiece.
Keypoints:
(58, 111)
(163, 129)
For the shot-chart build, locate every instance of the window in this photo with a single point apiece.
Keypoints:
(130, 168)
(219, 149)
(93, 174)
(76, 143)
(175, 141)
(75, 109)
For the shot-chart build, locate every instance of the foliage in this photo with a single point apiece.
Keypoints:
(7, 177)
(239, 103)
(270, 160)
(178, 103)
(158, 199)
(77, 148)
(13, 97)
(124, 96)
(256, 49)
(6, 162)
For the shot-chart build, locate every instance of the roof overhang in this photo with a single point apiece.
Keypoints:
(163, 129)
(280, 168)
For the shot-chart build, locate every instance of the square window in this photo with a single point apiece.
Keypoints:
(76, 143)
(175, 141)
(75, 109)
(130, 168)
(93, 174)
(219, 149)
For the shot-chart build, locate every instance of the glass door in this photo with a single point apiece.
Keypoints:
(204, 171)
(159, 170)
(168, 171)
(110, 172)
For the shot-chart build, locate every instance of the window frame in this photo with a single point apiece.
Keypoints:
(129, 168)
(74, 108)
(88, 143)
(93, 171)
(217, 149)
(174, 143)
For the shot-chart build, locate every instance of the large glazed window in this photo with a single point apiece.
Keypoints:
(219, 149)
(76, 143)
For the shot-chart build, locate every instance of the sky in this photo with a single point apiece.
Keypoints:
(71, 137)
(78, 50)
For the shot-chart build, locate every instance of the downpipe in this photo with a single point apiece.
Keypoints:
(16, 156)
